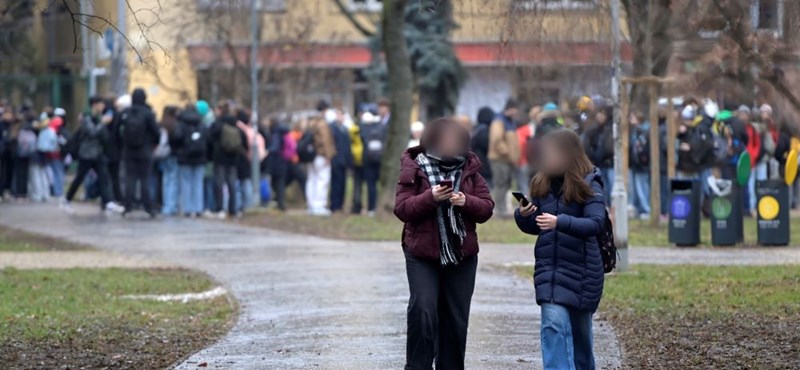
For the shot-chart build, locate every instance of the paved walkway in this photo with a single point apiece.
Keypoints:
(75, 259)
(308, 302)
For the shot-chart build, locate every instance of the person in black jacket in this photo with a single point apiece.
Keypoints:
(341, 162)
(567, 212)
(599, 146)
(480, 141)
(140, 133)
(190, 140)
(228, 144)
(90, 143)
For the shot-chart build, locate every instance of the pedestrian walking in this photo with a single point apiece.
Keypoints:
(373, 137)
(567, 212)
(440, 197)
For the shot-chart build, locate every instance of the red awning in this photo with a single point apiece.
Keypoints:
(358, 56)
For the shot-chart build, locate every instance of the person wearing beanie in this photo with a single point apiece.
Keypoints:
(480, 141)
(503, 154)
(139, 135)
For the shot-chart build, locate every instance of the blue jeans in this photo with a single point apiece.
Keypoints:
(169, 185)
(57, 166)
(566, 338)
(244, 194)
(759, 172)
(608, 182)
(639, 189)
(191, 188)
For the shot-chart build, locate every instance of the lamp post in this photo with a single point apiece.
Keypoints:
(618, 194)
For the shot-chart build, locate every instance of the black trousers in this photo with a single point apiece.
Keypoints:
(338, 183)
(115, 179)
(100, 168)
(19, 185)
(280, 173)
(138, 171)
(438, 312)
(225, 175)
(358, 186)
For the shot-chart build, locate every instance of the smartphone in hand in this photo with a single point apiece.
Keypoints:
(446, 183)
(521, 198)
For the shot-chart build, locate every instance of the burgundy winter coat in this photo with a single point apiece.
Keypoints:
(414, 205)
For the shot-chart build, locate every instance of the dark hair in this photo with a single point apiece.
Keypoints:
(243, 115)
(575, 188)
(383, 102)
(511, 103)
(435, 129)
(322, 105)
(485, 115)
(170, 111)
(94, 100)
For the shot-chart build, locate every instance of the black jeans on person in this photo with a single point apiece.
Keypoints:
(438, 312)
(358, 185)
(372, 173)
(114, 171)
(6, 171)
(19, 184)
(138, 171)
(279, 170)
(100, 169)
(225, 175)
(338, 183)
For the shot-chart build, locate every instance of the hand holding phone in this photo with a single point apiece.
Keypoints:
(521, 198)
(446, 183)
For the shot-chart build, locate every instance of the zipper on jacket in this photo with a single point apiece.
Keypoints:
(555, 259)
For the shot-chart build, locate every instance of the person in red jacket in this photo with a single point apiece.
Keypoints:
(440, 198)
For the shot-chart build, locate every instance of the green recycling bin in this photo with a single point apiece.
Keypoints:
(773, 212)
(726, 212)
(684, 212)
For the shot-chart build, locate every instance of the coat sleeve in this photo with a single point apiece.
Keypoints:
(528, 224)
(409, 203)
(479, 205)
(591, 224)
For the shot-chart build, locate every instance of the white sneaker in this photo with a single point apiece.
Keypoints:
(208, 214)
(371, 214)
(114, 207)
(222, 215)
(66, 206)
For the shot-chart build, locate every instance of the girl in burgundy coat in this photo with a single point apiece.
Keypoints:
(440, 198)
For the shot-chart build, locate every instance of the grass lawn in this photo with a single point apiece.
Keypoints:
(698, 317)
(497, 230)
(13, 240)
(76, 319)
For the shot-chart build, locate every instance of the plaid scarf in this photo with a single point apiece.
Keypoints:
(449, 220)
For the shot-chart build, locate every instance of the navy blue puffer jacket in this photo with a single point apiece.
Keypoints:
(569, 268)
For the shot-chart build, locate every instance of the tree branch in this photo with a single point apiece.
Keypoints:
(352, 18)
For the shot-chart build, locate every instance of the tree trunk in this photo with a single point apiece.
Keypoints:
(400, 86)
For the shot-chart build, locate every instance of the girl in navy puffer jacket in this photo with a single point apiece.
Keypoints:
(567, 211)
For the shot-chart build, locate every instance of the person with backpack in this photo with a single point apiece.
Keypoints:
(639, 176)
(90, 142)
(373, 137)
(567, 211)
(341, 162)
(440, 197)
(228, 145)
(190, 142)
(140, 134)
(282, 154)
(317, 143)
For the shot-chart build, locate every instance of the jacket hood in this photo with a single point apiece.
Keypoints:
(485, 116)
(139, 97)
(408, 161)
(190, 116)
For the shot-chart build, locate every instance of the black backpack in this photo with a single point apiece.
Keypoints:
(306, 151)
(134, 128)
(196, 143)
(605, 240)
(373, 136)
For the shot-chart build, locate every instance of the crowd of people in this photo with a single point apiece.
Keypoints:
(196, 160)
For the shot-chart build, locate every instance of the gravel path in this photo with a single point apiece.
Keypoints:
(75, 259)
(308, 302)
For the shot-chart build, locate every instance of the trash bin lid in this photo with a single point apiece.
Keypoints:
(743, 169)
(791, 167)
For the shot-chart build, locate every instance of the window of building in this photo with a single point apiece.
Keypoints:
(768, 14)
(366, 5)
(554, 4)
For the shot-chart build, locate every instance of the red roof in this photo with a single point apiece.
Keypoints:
(358, 56)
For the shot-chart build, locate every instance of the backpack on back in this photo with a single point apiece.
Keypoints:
(702, 142)
(195, 142)
(306, 151)
(372, 137)
(605, 240)
(134, 128)
(230, 138)
(26, 143)
(47, 142)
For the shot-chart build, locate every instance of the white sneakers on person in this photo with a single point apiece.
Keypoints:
(65, 206)
(114, 207)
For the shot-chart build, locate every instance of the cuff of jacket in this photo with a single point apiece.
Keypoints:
(563, 222)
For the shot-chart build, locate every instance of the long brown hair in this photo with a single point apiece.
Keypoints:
(575, 188)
